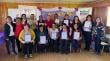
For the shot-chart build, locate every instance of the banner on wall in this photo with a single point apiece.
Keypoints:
(83, 12)
(24, 9)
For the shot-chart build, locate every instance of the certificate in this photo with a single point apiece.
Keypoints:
(66, 22)
(64, 35)
(54, 35)
(76, 36)
(42, 40)
(57, 21)
(87, 24)
(27, 38)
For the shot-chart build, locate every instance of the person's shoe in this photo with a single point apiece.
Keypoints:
(30, 55)
(25, 56)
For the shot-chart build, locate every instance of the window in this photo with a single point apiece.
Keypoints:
(108, 17)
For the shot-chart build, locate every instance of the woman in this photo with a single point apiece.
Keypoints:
(87, 29)
(66, 20)
(19, 28)
(76, 38)
(42, 35)
(99, 31)
(24, 19)
(26, 38)
(77, 21)
(40, 21)
(9, 35)
(53, 33)
(49, 22)
(64, 36)
(32, 21)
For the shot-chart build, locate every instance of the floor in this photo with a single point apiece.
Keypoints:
(83, 56)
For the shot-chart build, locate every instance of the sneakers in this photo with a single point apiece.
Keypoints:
(26, 56)
(30, 55)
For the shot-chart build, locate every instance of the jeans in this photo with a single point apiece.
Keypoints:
(10, 43)
(64, 46)
(88, 39)
(27, 48)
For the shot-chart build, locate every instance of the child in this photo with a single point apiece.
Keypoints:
(26, 38)
(53, 33)
(76, 40)
(64, 35)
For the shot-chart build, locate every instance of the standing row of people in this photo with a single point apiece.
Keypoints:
(52, 34)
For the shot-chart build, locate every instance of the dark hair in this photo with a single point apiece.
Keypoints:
(78, 20)
(9, 18)
(18, 18)
(64, 24)
(23, 15)
(89, 16)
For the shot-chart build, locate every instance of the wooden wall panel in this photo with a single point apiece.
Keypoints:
(99, 9)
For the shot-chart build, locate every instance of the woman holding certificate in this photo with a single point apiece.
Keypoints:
(53, 33)
(26, 38)
(64, 35)
(87, 31)
(76, 38)
(66, 20)
(42, 35)
(99, 31)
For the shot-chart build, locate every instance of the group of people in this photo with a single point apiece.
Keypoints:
(52, 35)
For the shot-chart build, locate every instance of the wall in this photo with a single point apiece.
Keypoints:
(99, 9)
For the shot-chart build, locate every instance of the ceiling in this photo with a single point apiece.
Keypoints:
(52, 1)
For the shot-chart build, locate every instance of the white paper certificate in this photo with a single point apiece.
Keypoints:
(64, 35)
(42, 40)
(27, 38)
(54, 35)
(76, 36)
(87, 24)
(66, 22)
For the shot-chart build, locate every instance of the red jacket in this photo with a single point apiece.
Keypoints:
(49, 23)
(19, 28)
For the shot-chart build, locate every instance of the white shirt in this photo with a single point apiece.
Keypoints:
(53, 33)
(87, 26)
(11, 30)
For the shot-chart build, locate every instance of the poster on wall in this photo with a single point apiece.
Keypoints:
(61, 12)
(24, 9)
(83, 12)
